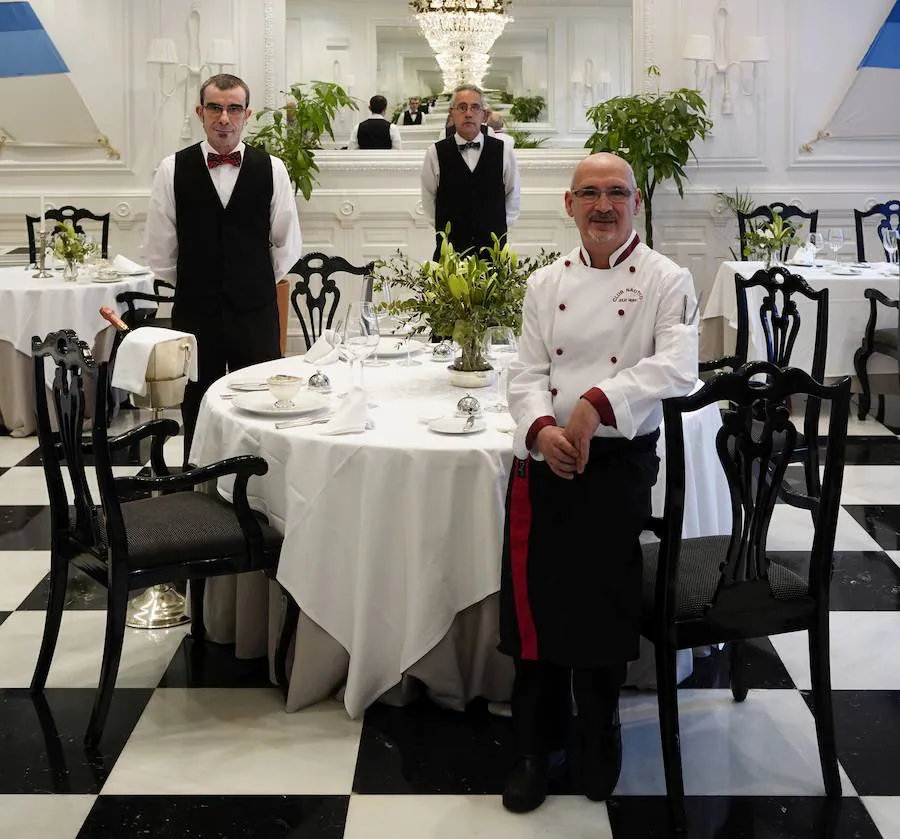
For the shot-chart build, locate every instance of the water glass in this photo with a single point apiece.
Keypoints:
(816, 242)
(890, 238)
(361, 334)
(500, 348)
(835, 241)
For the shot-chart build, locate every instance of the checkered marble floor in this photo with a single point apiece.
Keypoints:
(198, 745)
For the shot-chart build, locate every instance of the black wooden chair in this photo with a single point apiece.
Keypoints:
(766, 212)
(889, 210)
(173, 536)
(323, 267)
(875, 340)
(716, 589)
(136, 316)
(780, 322)
(76, 216)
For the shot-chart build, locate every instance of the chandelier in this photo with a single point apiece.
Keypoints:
(461, 34)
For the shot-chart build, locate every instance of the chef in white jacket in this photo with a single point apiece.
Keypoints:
(604, 340)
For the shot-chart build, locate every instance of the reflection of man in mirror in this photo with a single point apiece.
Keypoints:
(376, 132)
(470, 179)
(413, 115)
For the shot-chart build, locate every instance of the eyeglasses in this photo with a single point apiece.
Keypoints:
(474, 108)
(615, 194)
(214, 109)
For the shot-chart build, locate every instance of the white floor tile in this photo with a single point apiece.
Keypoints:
(765, 745)
(44, 816)
(871, 485)
(863, 652)
(433, 816)
(14, 449)
(26, 485)
(76, 663)
(895, 556)
(20, 572)
(791, 529)
(885, 812)
(236, 742)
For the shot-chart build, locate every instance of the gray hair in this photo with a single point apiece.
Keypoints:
(473, 87)
(495, 121)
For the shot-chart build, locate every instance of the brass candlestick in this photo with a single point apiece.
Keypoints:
(42, 272)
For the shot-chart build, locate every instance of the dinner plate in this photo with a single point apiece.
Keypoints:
(116, 279)
(395, 347)
(456, 425)
(247, 387)
(263, 404)
(846, 272)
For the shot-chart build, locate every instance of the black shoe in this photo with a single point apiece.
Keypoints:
(600, 760)
(526, 787)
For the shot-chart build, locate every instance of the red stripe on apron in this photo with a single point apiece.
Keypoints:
(519, 531)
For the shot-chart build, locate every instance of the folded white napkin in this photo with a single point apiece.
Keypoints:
(133, 356)
(351, 417)
(325, 349)
(804, 256)
(124, 265)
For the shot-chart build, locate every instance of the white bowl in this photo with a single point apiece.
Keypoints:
(284, 387)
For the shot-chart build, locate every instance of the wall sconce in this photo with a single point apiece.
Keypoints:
(163, 53)
(713, 58)
(585, 81)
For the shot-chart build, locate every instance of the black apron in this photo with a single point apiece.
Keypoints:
(570, 590)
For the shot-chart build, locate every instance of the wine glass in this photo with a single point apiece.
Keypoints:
(835, 241)
(890, 238)
(816, 243)
(377, 361)
(500, 348)
(360, 334)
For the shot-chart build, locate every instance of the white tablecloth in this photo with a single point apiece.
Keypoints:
(390, 534)
(848, 314)
(30, 306)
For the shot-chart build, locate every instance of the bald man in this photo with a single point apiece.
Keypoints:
(603, 343)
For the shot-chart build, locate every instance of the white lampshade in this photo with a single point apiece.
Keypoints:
(162, 51)
(753, 48)
(221, 51)
(577, 78)
(698, 48)
(605, 77)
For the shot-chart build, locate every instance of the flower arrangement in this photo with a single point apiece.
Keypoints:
(460, 295)
(771, 239)
(69, 245)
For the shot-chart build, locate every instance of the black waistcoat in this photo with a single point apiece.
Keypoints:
(223, 252)
(374, 133)
(473, 202)
(410, 118)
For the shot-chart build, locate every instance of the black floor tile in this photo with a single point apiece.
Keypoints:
(4, 616)
(42, 739)
(425, 749)
(128, 456)
(762, 669)
(82, 593)
(881, 522)
(24, 528)
(207, 665)
(867, 723)
(3, 469)
(731, 817)
(878, 450)
(216, 817)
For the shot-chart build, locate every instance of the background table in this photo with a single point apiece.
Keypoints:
(30, 306)
(848, 314)
(392, 538)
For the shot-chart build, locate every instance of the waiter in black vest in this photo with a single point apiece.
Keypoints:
(222, 226)
(413, 114)
(470, 179)
(376, 132)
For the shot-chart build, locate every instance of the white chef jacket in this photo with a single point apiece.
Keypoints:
(161, 239)
(618, 329)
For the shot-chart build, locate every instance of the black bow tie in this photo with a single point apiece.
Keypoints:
(474, 144)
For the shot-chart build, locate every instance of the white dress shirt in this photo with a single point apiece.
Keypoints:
(161, 238)
(618, 329)
(396, 140)
(431, 176)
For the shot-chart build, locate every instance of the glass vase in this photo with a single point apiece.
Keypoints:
(470, 369)
(70, 271)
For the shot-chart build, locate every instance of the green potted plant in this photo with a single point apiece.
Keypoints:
(71, 247)
(655, 133)
(740, 202)
(294, 131)
(526, 108)
(524, 140)
(459, 296)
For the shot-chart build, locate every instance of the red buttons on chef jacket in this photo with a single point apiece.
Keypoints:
(559, 351)
(613, 359)
(567, 263)
(621, 313)
(562, 307)
(553, 391)
(631, 269)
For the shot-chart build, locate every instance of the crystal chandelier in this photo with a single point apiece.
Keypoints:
(461, 34)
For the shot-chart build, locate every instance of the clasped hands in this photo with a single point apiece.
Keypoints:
(566, 449)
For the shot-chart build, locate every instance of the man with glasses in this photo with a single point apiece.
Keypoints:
(222, 226)
(604, 341)
(470, 179)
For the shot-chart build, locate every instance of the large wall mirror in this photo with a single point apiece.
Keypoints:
(574, 56)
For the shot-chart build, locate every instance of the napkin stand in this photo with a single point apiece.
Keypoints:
(162, 606)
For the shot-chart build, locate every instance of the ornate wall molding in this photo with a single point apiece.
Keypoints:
(270, 85)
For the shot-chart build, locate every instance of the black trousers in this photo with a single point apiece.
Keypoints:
(546, 695)
(226, 340)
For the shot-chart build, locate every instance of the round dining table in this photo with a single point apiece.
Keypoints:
(392, 536)
(36, 306)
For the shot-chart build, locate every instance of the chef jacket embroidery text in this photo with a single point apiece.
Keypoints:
(628, 295)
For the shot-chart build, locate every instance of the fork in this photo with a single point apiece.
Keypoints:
(299, 423)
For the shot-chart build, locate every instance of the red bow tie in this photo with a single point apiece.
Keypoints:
(213, 159)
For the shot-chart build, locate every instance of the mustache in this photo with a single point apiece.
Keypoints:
(600, 217)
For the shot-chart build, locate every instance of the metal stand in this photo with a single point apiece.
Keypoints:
(161, 607)
(42, 272)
